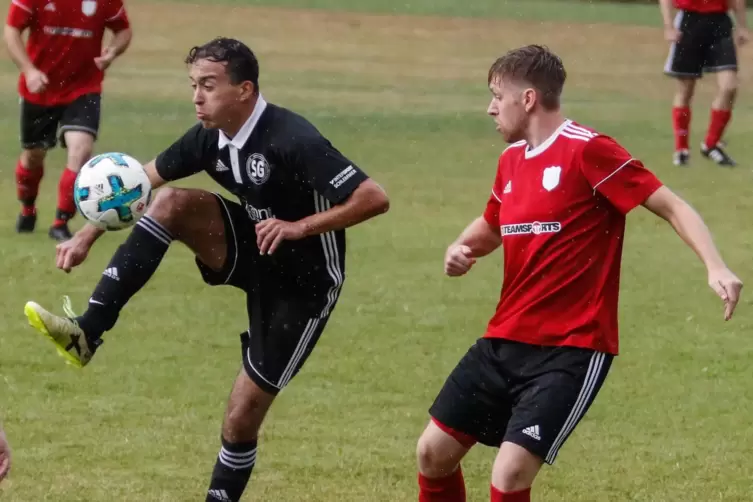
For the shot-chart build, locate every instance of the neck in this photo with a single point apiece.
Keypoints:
(542, 126)
(235, 123)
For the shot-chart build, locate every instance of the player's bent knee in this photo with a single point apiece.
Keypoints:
(515, 468)
(169, 205)
(432, 462)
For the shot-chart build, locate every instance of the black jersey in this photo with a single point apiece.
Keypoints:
(279, 166)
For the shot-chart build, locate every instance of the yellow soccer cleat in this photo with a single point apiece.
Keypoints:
(64, 332)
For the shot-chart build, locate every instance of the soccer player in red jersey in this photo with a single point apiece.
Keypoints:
(62, 68)
(703, 40)
(558, 207)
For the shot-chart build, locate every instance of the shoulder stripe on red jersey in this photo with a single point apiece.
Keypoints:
(581, 130)
(613, 173)
(22, 6)
(567, 134)
(496, 196)
(113, 18)
(576, 132)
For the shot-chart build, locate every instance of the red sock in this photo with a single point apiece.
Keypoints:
(27, 187)
(717, 124)
(447, 489)
(66, 204)
(519, 496)
(681, 125)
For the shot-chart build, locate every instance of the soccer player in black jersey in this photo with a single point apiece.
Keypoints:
(283, 242)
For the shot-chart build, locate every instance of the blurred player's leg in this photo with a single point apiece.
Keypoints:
(79, 145)
(29, 173)
(440, 476)
(79, 126)
(721, 113)
(246, 408)
(681, 116)
(38, 127)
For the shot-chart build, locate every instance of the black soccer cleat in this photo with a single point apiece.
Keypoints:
(26, 224)
(681, 158)
(718, 155)
(60, 233)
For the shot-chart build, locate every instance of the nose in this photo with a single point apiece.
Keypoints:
(198, 97)
(491, 109)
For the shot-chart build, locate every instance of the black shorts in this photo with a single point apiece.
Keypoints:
(706, 45)
(41, 126)
(530, 395)
(285, 323)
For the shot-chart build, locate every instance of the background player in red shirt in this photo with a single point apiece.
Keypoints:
(62, 68)
(701, 36)
(558, 206)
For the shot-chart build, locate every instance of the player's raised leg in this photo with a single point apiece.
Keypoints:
(79, 127)
(440, 476)
(246, 408)
(190, 216)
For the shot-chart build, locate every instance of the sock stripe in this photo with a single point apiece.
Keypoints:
(238, 462)
(239, 454)
(154, 228)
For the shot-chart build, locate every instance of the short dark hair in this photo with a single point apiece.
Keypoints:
(240, 61)
(537, 66)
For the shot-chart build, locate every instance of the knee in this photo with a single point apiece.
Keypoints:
(684, 92)
(78, 154)
(167, 205)
(241, 424)
(33, 159)
(510, 476)
(431, 462)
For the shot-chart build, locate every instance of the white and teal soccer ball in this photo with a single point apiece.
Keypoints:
(112, 191)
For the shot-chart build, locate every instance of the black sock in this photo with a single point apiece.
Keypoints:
(132, 265)
(232, 471)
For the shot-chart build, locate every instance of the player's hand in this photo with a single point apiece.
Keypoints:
(4, 456)
(36, 81)
(672, 34)
(728, 287)
(742, 35)
(458, 260)
(71, 253)
(105, 60)
(271, 232)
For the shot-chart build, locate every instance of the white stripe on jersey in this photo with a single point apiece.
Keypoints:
(574, 136)
(577, 129)
(613, 173)
(331, 257)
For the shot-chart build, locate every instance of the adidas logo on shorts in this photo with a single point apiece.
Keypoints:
(532, 431)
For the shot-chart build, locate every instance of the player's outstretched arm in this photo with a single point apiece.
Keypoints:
(73, 252)
(690, 227)
(477, 239)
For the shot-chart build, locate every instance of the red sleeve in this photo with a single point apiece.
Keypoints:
(491, 213)
(116, 17)
(20, 13)
(616, 175)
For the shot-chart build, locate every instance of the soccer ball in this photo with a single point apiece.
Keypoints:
(112, 191)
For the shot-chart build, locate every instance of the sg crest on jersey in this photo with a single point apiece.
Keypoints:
(551, 177)
(88, 7)
(257, 168)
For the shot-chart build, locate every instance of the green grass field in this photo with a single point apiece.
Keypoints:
(404, 97)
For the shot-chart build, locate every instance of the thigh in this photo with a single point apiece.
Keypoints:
(686, 56)
(552, 395)
(82, 114)
(283, 332)
(231, 263)
(39, 125)
(474, 403)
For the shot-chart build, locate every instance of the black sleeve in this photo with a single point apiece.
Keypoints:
(327, 170)
(190, 154)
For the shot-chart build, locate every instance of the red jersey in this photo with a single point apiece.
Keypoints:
(703, 6)
(561, 209)
(64, 38)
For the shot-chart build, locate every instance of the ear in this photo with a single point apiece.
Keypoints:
(529, 98)
(247, 90)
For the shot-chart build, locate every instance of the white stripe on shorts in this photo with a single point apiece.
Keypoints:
(593, 375)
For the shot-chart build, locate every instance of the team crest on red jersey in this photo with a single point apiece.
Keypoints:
(551, 177)
(88, 7)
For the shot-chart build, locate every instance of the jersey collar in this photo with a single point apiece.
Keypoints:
(546, 144)
(248, 127)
